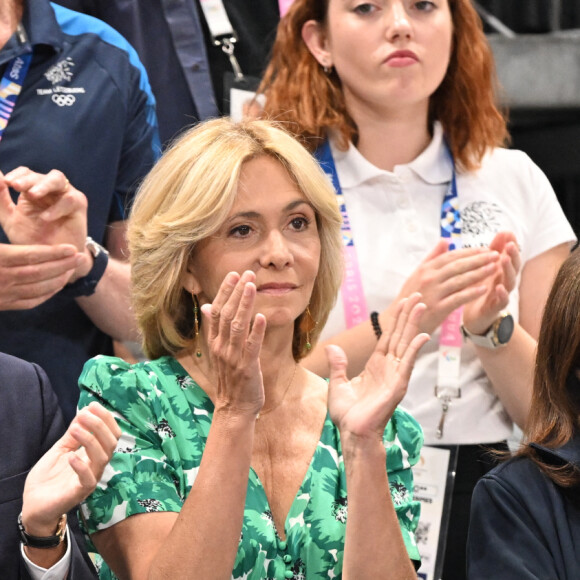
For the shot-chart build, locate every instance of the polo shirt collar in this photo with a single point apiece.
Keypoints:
(42, 29)
(41, 24)
(433, 165)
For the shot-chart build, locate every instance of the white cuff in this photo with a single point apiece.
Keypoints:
(58, 571)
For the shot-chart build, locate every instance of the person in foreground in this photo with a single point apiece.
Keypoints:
(397, 98)
(235, 461)
(525, 521)
(45, 474)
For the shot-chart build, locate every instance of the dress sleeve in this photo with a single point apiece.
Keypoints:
(139, 478)
(403, 440)
(504, 540)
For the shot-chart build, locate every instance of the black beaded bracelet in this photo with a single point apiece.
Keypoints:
(376, 324)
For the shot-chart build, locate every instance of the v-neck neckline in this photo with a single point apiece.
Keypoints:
(253, 473)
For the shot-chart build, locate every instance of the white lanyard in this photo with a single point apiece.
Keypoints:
(222, 31)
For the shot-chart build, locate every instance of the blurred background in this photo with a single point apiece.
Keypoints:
(537, 49)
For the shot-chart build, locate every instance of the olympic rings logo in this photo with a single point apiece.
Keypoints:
(64, 100)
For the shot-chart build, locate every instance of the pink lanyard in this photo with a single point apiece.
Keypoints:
(284, 5)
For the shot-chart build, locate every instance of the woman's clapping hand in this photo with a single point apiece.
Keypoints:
(363, 406)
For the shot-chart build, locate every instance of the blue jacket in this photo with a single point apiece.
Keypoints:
(86, 108)
(523, 526)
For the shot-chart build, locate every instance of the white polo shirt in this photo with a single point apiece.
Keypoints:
(395, 220)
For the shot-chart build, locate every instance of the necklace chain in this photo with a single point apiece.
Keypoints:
(283, 396)
(261, 412)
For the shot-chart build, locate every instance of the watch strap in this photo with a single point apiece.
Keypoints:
(87, 285)
(491, 338)
(484, 340)
(43, 542)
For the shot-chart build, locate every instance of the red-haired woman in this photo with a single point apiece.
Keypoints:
(397, 99)
(526, 513)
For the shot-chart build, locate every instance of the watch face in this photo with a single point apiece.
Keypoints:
(505, 329)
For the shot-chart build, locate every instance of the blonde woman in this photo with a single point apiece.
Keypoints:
(234, 460)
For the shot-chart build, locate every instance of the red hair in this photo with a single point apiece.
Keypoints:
(309, 102)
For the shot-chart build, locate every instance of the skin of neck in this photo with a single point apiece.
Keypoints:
(393, 136)
(276, 362)
(10, 16)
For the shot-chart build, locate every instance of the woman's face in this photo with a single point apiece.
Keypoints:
(271, 230)
(388, 53)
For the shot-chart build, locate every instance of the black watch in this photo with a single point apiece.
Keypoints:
(87, 285)
(498, 334)
(43, 542)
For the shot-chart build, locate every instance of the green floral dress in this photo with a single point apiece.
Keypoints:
(165, 418)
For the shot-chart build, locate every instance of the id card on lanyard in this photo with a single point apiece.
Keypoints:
(12, 82)
(239, 89)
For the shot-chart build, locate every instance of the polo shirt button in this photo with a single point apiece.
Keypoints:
(288, 574)
(282, 544)
(287, 558)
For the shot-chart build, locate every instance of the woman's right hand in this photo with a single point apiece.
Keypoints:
(235, 341)
(448, 279)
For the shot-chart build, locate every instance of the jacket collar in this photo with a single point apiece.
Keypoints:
(568, 453)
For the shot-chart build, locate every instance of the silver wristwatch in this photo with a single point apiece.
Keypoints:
(498, 334)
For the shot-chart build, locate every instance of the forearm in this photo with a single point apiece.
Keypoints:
(374, 546)
(204, 540)
(110, 306)
(511, 372)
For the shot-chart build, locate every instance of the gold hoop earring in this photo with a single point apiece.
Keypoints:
(196, 324)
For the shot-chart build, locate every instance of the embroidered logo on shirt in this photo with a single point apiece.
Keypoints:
(61, 72)
(481, 221)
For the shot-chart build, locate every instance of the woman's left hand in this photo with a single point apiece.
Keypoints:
(481, 313)
(364, 405)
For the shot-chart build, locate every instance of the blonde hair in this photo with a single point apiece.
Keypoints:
(187, 197)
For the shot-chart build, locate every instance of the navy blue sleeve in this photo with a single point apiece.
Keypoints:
(506, 540)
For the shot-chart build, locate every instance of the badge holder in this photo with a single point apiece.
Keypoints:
(239, 89)
(434, 480)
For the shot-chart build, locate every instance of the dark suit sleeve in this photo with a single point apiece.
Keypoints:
(53, 427)
(506, 538)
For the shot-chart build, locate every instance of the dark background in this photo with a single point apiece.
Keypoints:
(551, 137)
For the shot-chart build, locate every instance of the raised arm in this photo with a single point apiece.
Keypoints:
(445, 279)
(51, 215)
(361, 408)
(201, 541)
(510, 368)
(65, 475)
